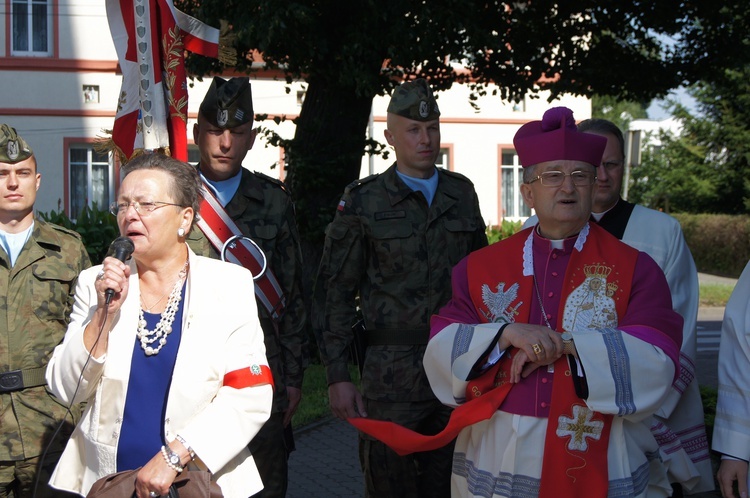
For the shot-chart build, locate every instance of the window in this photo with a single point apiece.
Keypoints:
(91, 179)
(444, 159)
(90, 94)
(194, 154)
(31, 27)
(512, 176)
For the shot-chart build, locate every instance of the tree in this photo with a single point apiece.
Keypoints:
(714, 38)
(707, 168)
(620, 112)
(350, 51)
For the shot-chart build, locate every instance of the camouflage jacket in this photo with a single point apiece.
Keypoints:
(36, 297)
(387, 246)
(263, 210)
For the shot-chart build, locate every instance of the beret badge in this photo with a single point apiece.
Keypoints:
(222, 116)
(13, 150)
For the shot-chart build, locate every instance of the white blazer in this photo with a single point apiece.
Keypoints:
(220, 333)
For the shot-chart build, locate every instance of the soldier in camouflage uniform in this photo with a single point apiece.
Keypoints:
(393, 242)
(39, 266)
(263, 210)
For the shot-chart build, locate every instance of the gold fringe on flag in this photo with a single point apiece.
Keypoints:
(104, 144)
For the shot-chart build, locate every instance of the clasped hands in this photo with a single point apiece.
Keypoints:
(537, 346)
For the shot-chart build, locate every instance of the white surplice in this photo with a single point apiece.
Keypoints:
(732, 424)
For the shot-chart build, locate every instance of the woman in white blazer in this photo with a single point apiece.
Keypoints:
(173, 366)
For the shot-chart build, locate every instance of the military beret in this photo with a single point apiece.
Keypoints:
(414, 100)
(228, 103)
(13, 149)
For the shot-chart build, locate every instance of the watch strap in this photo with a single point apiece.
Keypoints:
(186, 445)
(172, 459)
(568, 347)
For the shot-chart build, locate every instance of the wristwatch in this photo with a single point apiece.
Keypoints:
(172, 458)
(568, 347)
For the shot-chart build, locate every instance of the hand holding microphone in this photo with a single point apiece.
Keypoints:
(122, 248)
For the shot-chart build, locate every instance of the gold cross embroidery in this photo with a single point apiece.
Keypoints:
(579, 427)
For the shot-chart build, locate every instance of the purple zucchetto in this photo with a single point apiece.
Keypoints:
(556, 138)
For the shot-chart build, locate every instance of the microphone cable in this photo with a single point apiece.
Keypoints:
(68, 409)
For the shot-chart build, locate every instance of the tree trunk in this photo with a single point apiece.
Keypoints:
(323, 158)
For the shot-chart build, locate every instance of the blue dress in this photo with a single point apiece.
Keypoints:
(142, 432)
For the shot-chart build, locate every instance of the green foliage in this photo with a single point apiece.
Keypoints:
(620, 112)
(706, 169)
(674, 177)
(714, 37)
(720, 244)
(98, 228)
(715, 294)
(314, 405)
(505, 230)
(515, 47)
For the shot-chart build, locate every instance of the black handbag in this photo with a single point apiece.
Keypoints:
(188, 484)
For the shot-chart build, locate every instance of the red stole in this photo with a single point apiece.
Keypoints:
(575, 450)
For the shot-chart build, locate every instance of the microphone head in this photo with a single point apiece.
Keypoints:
(122, 248)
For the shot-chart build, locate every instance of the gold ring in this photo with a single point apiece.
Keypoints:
(537, 349)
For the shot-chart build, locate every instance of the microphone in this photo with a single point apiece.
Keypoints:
(121, 248)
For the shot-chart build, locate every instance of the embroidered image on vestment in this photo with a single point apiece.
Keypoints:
(579, 427)
(500, 304)
(591, 305)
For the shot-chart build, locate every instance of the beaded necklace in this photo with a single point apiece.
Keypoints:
(164, 327)
(541, 305)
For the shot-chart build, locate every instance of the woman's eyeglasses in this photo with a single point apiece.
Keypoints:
(142, 208)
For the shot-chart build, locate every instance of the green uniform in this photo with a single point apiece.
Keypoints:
(263, 210)
(387, 246)
(36, 296)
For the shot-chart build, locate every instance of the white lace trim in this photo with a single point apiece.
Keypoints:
(581, 240)
(528, 254)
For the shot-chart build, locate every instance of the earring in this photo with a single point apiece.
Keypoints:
(180, 232)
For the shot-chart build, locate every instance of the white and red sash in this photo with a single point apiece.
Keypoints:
(233, 246)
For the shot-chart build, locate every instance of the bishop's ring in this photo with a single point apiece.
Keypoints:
(537, 349)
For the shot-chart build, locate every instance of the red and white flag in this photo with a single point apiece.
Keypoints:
(150, 37)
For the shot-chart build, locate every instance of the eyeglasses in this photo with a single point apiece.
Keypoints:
(612, 165)
(556, 178)
(142, 208)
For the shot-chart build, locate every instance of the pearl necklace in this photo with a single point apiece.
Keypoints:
(164, 327)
